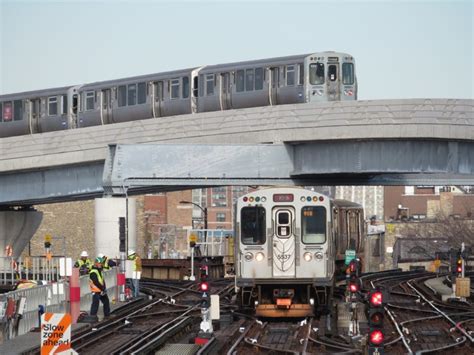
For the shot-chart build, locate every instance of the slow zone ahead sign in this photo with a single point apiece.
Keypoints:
(55, 333)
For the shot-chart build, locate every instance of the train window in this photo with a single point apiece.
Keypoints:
(209, 84)
(301, 74)
(52, 106)
(18, 110)
(240, 81)
(174, 85)
(332, 72)
(347, 73)
(316, 73)
(252, 225)
(290, 75)
(141, 93)
(131, 94)
(90, 100)
(1, 112)
(64, 105)
(258, 78)
(353, 230)
(249, 80)
(195, 86)
(7, 111)
(185, 87)
(313, 224)
(283, 228)
(122, 96)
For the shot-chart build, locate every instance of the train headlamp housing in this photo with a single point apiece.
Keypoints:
(259, 256)
(248, 256)
(307, 256)
(318, 255)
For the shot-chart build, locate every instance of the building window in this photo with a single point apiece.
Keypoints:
(90, 96)
(52, 106)
(220, 217)
(141, 93)
(174, 85)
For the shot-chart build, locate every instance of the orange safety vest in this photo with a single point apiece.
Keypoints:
(92, 286)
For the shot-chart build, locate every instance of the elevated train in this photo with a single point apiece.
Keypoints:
(316, 77)
(290, 245)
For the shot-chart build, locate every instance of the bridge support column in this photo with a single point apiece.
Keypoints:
(107, 213)
(16, 229)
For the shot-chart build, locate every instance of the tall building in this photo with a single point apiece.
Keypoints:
(370, 197)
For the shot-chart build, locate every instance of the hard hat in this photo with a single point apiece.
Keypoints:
(101, 255)
(98, 260)
(131, 252)
(84, 254)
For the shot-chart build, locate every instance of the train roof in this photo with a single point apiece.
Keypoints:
(36, 93)
(347, 204)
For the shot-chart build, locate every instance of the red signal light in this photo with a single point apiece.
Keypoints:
(353, 287)
(376, 337)
(204, 286)
(376, 299)
(459, 269)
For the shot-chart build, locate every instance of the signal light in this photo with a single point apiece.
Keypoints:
(459, 267)
(204, 286)
(376, 337)
(376, 298)
(353, 287)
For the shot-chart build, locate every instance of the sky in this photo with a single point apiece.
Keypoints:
(403, 49)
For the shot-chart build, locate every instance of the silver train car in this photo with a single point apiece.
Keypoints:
(290, 245)
(316, 77)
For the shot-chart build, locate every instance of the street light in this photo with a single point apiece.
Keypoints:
(203, 209)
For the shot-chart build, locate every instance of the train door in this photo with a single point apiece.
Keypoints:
(333, 82)
(158, 99)
(283, 242)
(106, 107)
(34, 115)
(273, 85)
(225, 92)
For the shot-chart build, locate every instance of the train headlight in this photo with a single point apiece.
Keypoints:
(259, 256)
(263, 199)
(248, 256)
(318, 255)
(307, 256)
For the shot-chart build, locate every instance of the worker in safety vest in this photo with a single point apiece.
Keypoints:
(98, 289)
(84, 263)
(107, 263)
(137, 271)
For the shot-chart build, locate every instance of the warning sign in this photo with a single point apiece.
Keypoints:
(193, 238)
(55, 333)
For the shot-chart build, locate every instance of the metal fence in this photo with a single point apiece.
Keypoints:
(30, 268)
(53, 297)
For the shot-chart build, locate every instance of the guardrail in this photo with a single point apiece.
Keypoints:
(30, 268)
(52, 296)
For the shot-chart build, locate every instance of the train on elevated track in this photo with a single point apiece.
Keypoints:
(316, 77)
(290, 246)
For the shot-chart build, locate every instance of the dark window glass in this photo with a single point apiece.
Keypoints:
(159, 91)
(258, 78)
(18, 110)
(240, 81)
(290, 75)
(316, 73)
(313, 224)
(353, 229)
(301, 76)
(141, 93)
(174, 88)
(283, 227)
(122, 96)
(90, 96)
(1, 112)
(209, 84)
(347, 73)
(195, 86)
(249, 80)
(64, 109)
(52, 106)
(201, 85)
(283, 218)
(185, 87)
(132, 94)
(220, 217)
(332, 72)
(252, 225)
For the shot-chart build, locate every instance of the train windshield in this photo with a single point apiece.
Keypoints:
(316, 73)
(252, 225)
(347, 73)
(313, 224)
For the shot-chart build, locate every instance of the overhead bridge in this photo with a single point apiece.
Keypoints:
(387, 142)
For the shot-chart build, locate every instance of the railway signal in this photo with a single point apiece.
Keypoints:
(353, 283)
(204, 286)
(375, 317)
(459, 267)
